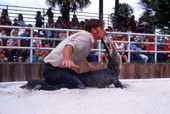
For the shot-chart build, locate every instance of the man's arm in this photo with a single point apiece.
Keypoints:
(88, 64)
(67, 62)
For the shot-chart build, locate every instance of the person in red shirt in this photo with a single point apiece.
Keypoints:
(150, 47)
(167, 48)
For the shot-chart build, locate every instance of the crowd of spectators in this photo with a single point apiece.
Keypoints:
(128, 24)
(122, 24)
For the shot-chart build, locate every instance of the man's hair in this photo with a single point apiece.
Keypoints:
(93, 23)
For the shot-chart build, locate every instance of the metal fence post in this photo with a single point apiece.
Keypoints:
(129, 43)
(31, 44)
(99, 57)
(156, 48)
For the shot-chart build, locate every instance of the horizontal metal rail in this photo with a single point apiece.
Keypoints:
(99, 50)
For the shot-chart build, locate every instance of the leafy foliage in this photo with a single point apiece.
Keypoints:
(123, 9)
(157, 12)
(68, 5)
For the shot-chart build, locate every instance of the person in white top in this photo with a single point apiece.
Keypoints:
(121, 46)
(69, 53)
(21, 21)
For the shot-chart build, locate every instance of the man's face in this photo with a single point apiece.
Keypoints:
(99, 33)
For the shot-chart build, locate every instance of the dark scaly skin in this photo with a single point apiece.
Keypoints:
(105, 77)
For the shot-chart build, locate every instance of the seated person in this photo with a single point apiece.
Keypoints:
(121, 46)
(2, 57)
(150, 47)
(167, 48)
(35, 58)
(36, 42)
(13, 42)
(142, 57)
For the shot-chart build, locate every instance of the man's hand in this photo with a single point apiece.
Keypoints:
(68, 63)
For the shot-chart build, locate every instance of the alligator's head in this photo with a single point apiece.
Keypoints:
(115, 61)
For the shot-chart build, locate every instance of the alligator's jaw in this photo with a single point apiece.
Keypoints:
(113, 56)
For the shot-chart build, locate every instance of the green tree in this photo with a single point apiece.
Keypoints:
(123, 9)
(157, 12)
(68, 5)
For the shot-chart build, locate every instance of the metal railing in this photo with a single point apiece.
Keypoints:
(29, 14)
(157, 41)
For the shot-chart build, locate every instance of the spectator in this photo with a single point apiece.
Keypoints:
(1, 44)
(13, 53)
(133, 23)
(4, 40)
(126, 23)
(141, 25)
(115, 29)
(81, 25)
(62, 34)
(12, 41)
(3, 21)
(110, 29)
(167, 48)
(113, 38)
(67, 23)
(49, 13)
(44, 41)
(39, 19)
(150, 47)
(25, 43)
(75, 19)
(36, 57)
(142, 57)
(121, 46)
(20, 31)
(50, 24)
(21, 21)
(46, 45)
(27, 33)
(59, 24)
(5, 14)
(2, 57)
(134, 56)
(15, 22)
(129, 29)
(36, 42)
(43, 55)
(108, 35)
(74, 24)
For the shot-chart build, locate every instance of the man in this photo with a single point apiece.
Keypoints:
(71, 51)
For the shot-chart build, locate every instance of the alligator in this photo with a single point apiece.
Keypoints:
(105, 77)
(98, 78)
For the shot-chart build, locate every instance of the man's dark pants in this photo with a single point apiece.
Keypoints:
(61, 77)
